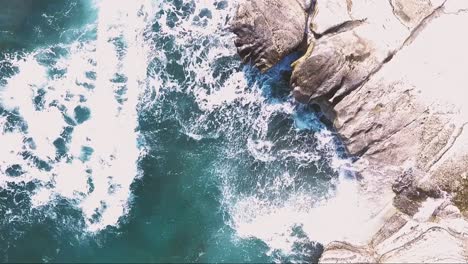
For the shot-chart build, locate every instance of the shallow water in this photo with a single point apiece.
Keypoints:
(131, 132)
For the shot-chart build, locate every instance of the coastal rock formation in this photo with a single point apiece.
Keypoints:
(351, 46)
(390, 75)
(429, 238)
(406, 124)
(269, 30)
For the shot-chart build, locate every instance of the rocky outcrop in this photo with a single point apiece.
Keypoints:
(269, 30)
(390, 75)
(353, 45)
(432, 238)
(404, 119)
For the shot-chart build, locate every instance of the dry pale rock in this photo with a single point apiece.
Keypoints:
(353, 44)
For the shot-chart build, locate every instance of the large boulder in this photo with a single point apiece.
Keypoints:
(269, 30)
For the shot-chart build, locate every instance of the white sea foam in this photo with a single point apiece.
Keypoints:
(337, 215)
(99, 182)
(113, 124)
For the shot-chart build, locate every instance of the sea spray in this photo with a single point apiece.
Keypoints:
(121, 59)
(97, 77)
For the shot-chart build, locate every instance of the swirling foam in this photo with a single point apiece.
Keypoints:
(237, 104)
(78, 103)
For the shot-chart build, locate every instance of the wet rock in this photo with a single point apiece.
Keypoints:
(404, 182)
(268, 30)
(461, 195)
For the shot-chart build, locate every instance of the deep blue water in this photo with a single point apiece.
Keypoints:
(131, 132)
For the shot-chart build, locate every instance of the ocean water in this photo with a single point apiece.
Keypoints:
(131, 132)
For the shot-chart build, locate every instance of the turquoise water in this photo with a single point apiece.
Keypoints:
(131, 132)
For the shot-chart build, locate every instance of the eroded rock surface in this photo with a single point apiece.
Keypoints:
(268, 30)
(403, 116)
(410, 113)
(354, 43)
(439, 237)
(391, 75)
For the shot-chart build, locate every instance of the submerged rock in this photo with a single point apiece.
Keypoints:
(268, 30)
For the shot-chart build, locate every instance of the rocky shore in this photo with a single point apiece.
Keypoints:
(390, 76)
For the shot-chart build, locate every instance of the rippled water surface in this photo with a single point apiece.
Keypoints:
(130, 131)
